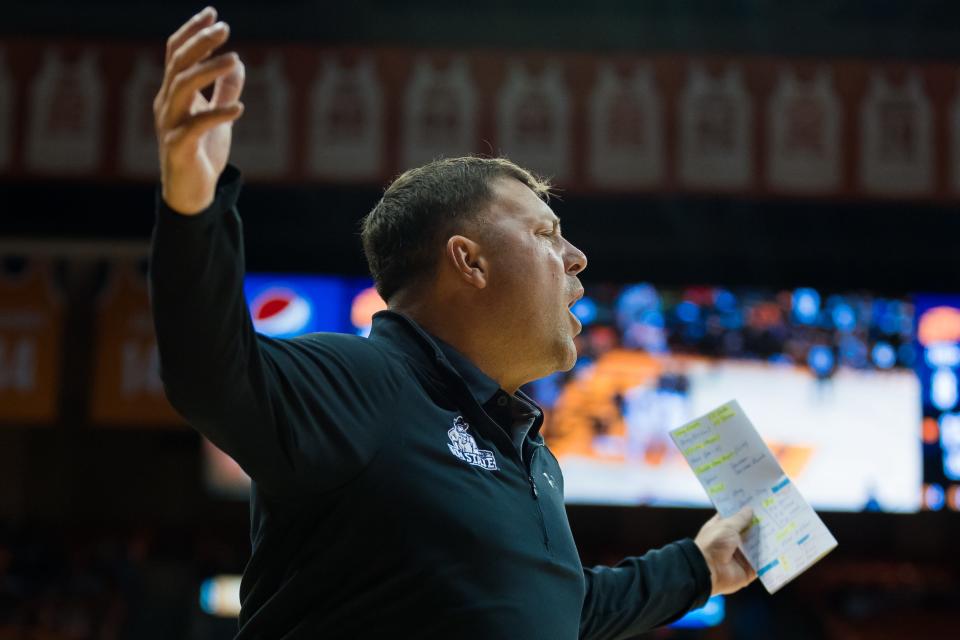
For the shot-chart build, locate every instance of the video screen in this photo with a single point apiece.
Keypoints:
(827, 379)
(830, 381)
(287, 305)
(938, 362)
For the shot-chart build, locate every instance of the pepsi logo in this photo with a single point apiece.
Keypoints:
(280, 311)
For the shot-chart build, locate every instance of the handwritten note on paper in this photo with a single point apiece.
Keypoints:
(736, 469)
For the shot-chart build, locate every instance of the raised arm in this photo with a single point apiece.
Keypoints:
(293, 413)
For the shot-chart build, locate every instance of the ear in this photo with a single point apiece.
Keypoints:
(463, 255)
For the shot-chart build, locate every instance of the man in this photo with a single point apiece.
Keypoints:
(400, 484)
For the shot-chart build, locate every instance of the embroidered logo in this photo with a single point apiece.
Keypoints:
(465, 447)
(550, 480)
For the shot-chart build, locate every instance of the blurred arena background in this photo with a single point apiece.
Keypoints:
(767, 193)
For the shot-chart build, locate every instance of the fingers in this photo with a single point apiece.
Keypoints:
(199, 123)
(185, 86)
(741, 560)
(741, 520)
(229, 86)
(190, 27)
(184, 74)
(196, 48)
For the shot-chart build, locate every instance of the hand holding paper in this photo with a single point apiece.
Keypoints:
(738, 470)
(719, 540)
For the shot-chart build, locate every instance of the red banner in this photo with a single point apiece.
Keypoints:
(756, 126)
(127, 390)
(31, 323)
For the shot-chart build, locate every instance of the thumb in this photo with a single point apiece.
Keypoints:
(742, 519)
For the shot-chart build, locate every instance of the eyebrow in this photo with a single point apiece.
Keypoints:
(554, 220)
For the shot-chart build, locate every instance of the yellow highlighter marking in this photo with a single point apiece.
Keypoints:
(715, 463)
(721, 415)
(706, 443)
(787, 530)
(684, 430)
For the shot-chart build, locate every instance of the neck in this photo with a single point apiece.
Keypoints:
(456, 325)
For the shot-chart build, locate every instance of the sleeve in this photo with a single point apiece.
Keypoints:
(644, 592)
(280, 408)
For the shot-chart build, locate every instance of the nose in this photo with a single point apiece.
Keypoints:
(575, 260)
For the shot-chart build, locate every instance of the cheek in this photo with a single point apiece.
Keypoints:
(533, 270)
(548, 272)
(554, 265)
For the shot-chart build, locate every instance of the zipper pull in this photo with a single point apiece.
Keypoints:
(533, 485)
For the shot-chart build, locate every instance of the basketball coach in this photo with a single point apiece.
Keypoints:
(401, 488)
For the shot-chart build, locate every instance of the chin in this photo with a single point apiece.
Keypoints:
(569, 357)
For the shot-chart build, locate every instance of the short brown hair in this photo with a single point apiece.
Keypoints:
(403, 235)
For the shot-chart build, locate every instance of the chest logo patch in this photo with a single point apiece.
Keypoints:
(550, 480)
(465, 447)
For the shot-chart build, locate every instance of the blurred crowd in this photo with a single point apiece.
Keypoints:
(801, 327)
(58, 585)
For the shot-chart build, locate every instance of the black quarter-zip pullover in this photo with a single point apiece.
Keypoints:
(387, 501)
(517, 414)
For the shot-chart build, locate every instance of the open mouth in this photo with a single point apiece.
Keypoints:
(575, 321)
(575, 298)
(570, 308)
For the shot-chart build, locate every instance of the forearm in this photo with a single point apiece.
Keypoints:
(644, 592)
(211, 364)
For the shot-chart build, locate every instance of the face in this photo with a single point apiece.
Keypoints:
(532, 279)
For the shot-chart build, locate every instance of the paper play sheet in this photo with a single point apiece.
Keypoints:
(736, 469)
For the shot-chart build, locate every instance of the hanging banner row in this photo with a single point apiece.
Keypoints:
(749, 125)
(125, 384)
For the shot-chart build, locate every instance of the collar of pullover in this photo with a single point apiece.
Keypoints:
(403, 333)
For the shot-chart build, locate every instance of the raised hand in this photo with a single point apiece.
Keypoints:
(193, 133)
(719, 541)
